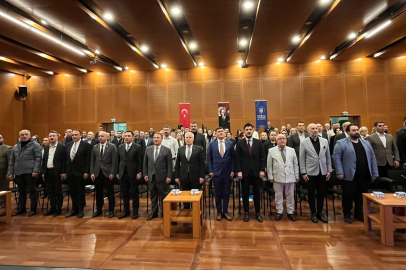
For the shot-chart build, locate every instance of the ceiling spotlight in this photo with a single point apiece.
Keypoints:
(248, 5)
(144, 49)
(324, 1)
(49, 72)
(378, 54)
(243, 42)
(192, 45)
(323, 57)
(97, 52)
(175, 11)
(333, 56)
(280, 59)
(82, 70)
(201, 64)
(296, 39)
(108, 16)
(352, 35)
(43, 22)
(240, 62)
(163, 66)
(379, 28)
(126, 68)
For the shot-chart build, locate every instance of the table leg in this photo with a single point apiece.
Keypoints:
(167, 219)
(196, 220)
(386, 217)
(8, 207)
(367, 211)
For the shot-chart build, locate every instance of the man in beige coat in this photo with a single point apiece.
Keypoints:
(385, 149)
(5, 151)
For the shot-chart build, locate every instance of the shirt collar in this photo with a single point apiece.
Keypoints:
(54, 145)
(381, 135)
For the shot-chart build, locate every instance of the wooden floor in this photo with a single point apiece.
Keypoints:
(104, 243)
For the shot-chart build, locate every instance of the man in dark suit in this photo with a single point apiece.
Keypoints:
(199, 138)
(101, 128)
(269, 128)
(148, 141)
(53, 170)
(157, 172)
(68, 136)
(224, 119)
(190, 167)
(321, 133)
(295, 139)
(5, 151)
(91, 139)
(250, 168)
(326, 128)
(220, 162)
(401, 143)
(342, 135)
(129, 172)
(113, 135)
(140, 141)
(103, 169)
(77, 172)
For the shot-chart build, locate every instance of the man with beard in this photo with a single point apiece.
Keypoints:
(170, 142)
(140, 141)
(200, 140)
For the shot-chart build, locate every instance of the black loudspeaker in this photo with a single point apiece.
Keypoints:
(22, 91)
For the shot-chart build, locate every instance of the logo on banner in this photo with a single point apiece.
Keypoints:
(261, 113)
(184, 112)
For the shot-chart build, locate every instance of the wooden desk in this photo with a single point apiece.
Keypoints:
(7, 194)
(194, 215)
(386, 219)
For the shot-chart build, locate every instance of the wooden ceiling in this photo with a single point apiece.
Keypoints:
(215, 27)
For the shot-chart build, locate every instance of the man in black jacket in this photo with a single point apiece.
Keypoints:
(77, 172)
(130, 165)
(295, 139)
(199, 138)
(250, 168)
(53, 170)
(140, 141)
(190, 167)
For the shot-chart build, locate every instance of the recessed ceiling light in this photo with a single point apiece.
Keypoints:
(378, 54)
(49, 72)
(185, 31)
(308, 23)
(296, 39)
(97, 52)
(126, 68)
(163, 66)
(245, 27)
(323, 57)
(248, 5)
(43, 22)
(280, 59)
(324, 1)
(144, 49)
(240, 62)
(352, 35)
(243, 42)
(192, 45)
(108, 16)
(333, 56)
(175, 11)
(82, 70)
(201, 64)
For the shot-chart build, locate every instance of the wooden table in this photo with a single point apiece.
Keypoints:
(387, 220)
(7, 194)
(194, 215)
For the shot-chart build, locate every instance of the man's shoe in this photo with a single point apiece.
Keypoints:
(57, 213)
(152, 216)
(111, 214)
(97, 213)
(322, 218)
(360, 218)
(347, 219)
(218, 217)
(278, 217)
(123, 215)
(32, 213)
(71, 214)
(81, 214)
(314, 218)
(259, 218)
(292, 217)
(246, 217)
(19, 212)
(228, 217)
(50, 212)
(135, 215)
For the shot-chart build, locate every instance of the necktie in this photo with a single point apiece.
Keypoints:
(156, 153)
(188, 153)
(283, 155)
(221, 149)
(101, 152)
(127, 148)
(73, 152)
(249, 146)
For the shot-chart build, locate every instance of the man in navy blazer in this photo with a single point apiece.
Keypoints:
(355, 164)
(220, 162)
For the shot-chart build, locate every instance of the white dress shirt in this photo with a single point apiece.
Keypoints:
(188, 150)
(172, 144)
(50, 163)
(128, 146)
(383, 139)
(302, 137)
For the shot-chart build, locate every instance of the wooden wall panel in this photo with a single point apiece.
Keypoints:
(140, 104)
(212, 74)
(175, 76)
(55, 110)
(312, 101)
(289, 70)
(250, 93)
(312, 68)
(397, 94)
(175, 96)
(252, 72)
(138, 77)
(122, 78)
(105, 79)
(232, 73)
(38, 113)
(271, 70)
(376, 95)
(88, 110)
(272, 93)
(72, 81)
(334, 96)
(156, 103)
(353, 66)
(355, 97)
(57, 82)
(291, 99)
(88, 80)
(232, 94)
(212, 95)
(194, 95)
(331, 67)
(194, 75)
(396, 65)
(105, 98)
(72, 105)
(123, 103)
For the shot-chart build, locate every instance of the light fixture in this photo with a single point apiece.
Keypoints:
(333, 56)
(323, 57)
(108, 16)
(2, 58)
(240, 62)
(118, 68)
(352, 35)
(379, 28)
(359, 59)
(49, 72)
(14, 20)
(379, 53)
(296, 39)
(248, 5)
(280, 59)
(43, 22)
(82, 70)
(324, 1)
(126, 68)
(192, 45)
(201, 64)
(175, 11)
(243, 42)
(43, 55)
(97, 52)
(163, 66)
(144, 49)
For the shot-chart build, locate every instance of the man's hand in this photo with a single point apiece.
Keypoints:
(146, 178)
(111, 177)
(397, 163)
(85, 176)
(232, 174)
(271, 180)
(139, 175)
(11, 177)
(177, 181)
(43, 176)
(118, 176)
(261, 174)
(34, 174)
(239, 175)
(305, 177)
(201, 180)
(340, 176)
(62, 177)
(168, 180)
(404, 165)
(65, 176)
(297, 180)
(92, 177)
(328, 176)
(374, 177)
(212, 174)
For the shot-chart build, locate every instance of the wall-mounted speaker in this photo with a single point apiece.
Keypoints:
(22, 91)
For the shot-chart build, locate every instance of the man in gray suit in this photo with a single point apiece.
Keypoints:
(295, 139)
(315, 167)
(5, 151)
(103, 168)
(385, 149)
(157, 172)
(24, 165)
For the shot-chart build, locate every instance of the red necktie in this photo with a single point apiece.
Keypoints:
(249, 147)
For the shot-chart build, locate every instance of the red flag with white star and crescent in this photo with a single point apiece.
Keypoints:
(184, 114)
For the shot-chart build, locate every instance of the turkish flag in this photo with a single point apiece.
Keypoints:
(184, 114)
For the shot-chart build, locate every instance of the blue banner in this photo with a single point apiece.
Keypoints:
(261, 113)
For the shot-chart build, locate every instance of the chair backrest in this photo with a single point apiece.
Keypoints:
(398, 175)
